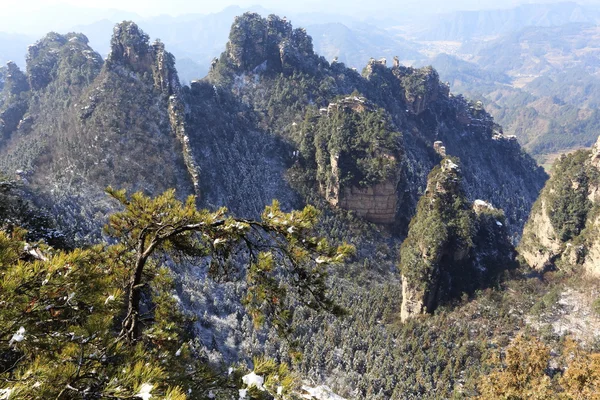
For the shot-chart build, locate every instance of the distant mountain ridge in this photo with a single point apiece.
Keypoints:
(473, 24)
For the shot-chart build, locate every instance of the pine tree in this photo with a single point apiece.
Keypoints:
(102, 322)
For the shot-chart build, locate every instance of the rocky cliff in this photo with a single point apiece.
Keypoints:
(289, 94)
(563, 230)
(452, 247)
(355, 151)
(88, 124)
(13, 99)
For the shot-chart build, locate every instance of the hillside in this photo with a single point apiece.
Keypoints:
(539, 83)
(562, 231)
(388, 156)
(286, 82)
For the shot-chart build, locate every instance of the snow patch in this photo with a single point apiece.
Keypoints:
(320, 393)
(5, 393)
(145, 390)
(481, 203)
(253, 380)
(19, 336)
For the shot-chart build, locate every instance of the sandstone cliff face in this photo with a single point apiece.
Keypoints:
(376, 203)
(362, 171)
(563, 230)
(544, 238)
(452, 246)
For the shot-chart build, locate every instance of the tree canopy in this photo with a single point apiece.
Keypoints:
(101, 322)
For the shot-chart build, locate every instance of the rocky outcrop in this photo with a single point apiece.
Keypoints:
(13, 106)
(286, 91)
(163, 70)
(544, 239)
(90, 124)
(563, 230)
(15, 81)
(131, 49)
(357, 161)
(452, 247)
(129, 46)
(56, 54)
(376, 203)
(271, 42)
(421, 87)
(178, 125)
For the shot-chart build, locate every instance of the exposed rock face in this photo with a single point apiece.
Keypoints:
(417, 104)
(545, 239)
(163, 70)
(375, 203)
(344, 180)
(421, 88)
(452, 246)
(595, 157)
(563, 230)
(254, 40)
(129, 46)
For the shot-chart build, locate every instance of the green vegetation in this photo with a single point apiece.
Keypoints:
(443, 225)
(165, 301)
(452, 247)
(568, 201)
(103, 322)
(361, 141)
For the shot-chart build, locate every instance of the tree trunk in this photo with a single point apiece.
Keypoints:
(131, 329)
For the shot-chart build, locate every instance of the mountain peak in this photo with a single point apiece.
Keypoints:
(129, 45)
(269, 42)
(56, 53)
(15, 80)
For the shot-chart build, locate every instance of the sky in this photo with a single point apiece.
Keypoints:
(37, 17)
(148, 8)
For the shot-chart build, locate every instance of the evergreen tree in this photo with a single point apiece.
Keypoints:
(102, 322)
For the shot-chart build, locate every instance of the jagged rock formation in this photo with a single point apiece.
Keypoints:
(89, 124)
(452, 246)
(564, 228)
(355, 153)
(288, 93)
(255, 41)
(13, 103)
(74, 124)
